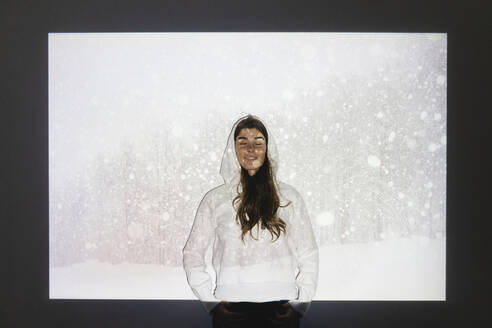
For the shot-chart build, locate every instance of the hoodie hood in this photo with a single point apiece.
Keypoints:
(230, 170)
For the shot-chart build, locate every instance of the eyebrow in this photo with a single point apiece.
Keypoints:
(239, 138)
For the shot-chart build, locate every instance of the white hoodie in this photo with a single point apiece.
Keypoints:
(254, 270)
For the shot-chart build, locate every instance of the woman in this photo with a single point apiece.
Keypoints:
(264, 253)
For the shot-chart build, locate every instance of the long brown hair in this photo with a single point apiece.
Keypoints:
(258, 200)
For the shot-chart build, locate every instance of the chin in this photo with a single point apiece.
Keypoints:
(247, 168)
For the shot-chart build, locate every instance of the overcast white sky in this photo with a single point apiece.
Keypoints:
(104, 87)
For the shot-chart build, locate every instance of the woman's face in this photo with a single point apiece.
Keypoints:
(250, 149)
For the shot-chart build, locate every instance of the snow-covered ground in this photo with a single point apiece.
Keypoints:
(402, 269)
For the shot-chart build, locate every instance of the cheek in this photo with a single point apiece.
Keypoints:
(240, 156)
(261, 158)
(258, 162)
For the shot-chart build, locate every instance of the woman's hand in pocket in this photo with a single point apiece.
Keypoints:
(223, 313)
(287, 311)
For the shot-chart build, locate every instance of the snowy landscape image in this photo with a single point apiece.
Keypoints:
(138, 123)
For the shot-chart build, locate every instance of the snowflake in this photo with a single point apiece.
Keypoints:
(373, 161)
(433, 147)
(391, 136)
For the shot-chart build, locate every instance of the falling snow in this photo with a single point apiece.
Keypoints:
(433, 147)
(325, 218)
(391, 136)
(441, 79)
(373, 161)
(365, 145)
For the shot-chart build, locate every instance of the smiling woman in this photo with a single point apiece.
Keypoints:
(258, 201)
(264, 253)
(250, 149)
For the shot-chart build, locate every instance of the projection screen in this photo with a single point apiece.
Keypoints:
(138, 123)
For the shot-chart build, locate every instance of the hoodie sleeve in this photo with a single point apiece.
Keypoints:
(306, 251)
(201, 238)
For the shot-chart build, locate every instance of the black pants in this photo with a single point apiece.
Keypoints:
(275, 314)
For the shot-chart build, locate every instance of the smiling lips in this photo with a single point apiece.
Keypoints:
(251, 158)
